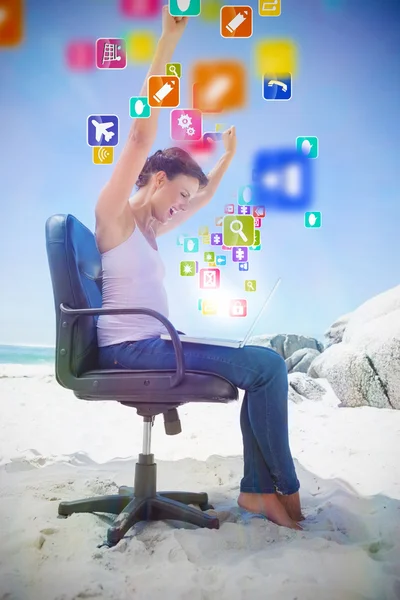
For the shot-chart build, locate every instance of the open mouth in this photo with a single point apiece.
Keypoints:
(172, 211)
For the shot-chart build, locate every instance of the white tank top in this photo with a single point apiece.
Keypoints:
(133, 275)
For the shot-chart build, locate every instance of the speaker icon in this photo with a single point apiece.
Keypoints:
(103, 155)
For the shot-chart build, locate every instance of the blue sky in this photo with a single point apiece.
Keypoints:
(346, 93)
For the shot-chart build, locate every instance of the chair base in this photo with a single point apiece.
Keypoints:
(143, 503)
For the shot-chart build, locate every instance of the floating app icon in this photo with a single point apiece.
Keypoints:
(186, 124)
(236, 21)
(209, 257)
(191, 244)
(220, 127)
(250, 285)
(209, 307)
(139, 107)
(245, 195)
(184, 8)
(80, 55)
(216, 239)
(243, 210)
(313, 219)
(188, 268)
(277, 87)
(111, 53)
(219, 221)
(211, 9)
(282, 179)
(140, 46)
(209, 279)
(173, 69)
(257, 241)
(269, 8)
(102, 155)
(308, 146)
(229, 209)
(257, 222)
(275, 56)
(211, 137)
(240, 254)
(219, 86)
(102, 130)
(140, 9)
(259, 212)
(226, 248)
(244, 266)
(203, 230)
(238, 308)
(11, 23)
(163, 91)
(180, 240)
(238, 230)
(220, 260)
(206, 239)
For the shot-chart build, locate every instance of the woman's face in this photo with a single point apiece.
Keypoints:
(172, 196)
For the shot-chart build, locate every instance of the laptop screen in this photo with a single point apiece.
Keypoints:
(258, 317)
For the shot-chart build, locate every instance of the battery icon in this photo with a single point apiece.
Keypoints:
(236, 21)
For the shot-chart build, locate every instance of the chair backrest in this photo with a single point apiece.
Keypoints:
(75, 270)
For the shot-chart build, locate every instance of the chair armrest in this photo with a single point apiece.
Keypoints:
(70, 315)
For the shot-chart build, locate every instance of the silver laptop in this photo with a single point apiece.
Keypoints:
(228, 343)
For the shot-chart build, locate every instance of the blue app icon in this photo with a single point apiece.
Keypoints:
(220, 260)
(282, 179)
(277, 87)
(243, 266)
(102, 130)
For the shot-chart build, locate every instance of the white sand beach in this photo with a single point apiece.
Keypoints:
(55, 447)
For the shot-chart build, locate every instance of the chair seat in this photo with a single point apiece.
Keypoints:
(197, 386)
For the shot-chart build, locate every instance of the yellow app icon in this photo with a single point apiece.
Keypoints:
(269, 8)
(203, 230)
(207, 239)
(275, 56)
(209, 307)
(103, 155)
(140, 46)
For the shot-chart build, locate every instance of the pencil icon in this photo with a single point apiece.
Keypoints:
(236, 21)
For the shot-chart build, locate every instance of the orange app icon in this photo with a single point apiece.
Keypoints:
(11, 22)
(236, 21)
(163, 91)
(219, 86)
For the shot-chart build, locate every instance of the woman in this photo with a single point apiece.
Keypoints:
(171, 188)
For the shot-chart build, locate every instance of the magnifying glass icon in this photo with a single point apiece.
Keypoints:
(238, 229)
(172, 70)
(250, 286)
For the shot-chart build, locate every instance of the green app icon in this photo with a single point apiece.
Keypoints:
(209, 256)
(250, 285)
(238, 230)
(184, 8)
(312, 219)
(174, 69)
(139, 107)
(308, 146)
(188, 268)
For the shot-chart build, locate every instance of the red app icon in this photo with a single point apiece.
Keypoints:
(257, 222)
(223, 247)
(209, 279)
(259, 211)
(229, 209)
(140, 9)
(80, 55)
(238, 308)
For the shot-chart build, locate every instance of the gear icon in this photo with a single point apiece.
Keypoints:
(190, 131)
(184, 121)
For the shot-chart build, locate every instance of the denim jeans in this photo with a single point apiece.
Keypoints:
(261, 372)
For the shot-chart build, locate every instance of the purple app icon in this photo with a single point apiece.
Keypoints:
(239, 254)
(216, 239)
(212, 136)
(243, 210)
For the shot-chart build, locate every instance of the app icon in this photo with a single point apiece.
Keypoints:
(140, 9)
(209, 307)
(238, 230)
(173, 69)
(102, 155)
(257, 222)
(110, 53)
(312, 219)
(11, 22)
(210, 10)
(209, 279)
(216, 239)
(188, 268)
(199, 304)
(245, 195)
(275, 56)
(140, 46)
(250, 285)
(139, 107)
(238, 308)
(186, 124)
(226, 248)
(80, 55)
(211, 137)
(259, 211)
(180, 240)
(229, 209)
(240, 254)
(209, 256)
(244, 266)
(257, 241)
(163, 91)
(219, 86)
(236, 21)
(206, 239)
(220, 127)
(269, 8)
(203, 230)
(282, 179)
(102, 130)
(243, 210)
(307, 146)
(220, 260)
(191, 244)
(277, 87)
(184, 8)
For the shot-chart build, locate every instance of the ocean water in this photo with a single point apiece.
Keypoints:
(26, 355)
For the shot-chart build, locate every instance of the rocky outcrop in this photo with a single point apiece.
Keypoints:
(297, 350)
(302, 387)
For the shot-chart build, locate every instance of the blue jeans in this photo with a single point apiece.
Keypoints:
(261, 372)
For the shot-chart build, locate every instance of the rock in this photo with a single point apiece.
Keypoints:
(301, 360)
(336, 331)
(303, 387)
(364, 368)
(287, 344)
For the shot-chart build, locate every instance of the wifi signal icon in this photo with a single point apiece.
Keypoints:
(103, 155)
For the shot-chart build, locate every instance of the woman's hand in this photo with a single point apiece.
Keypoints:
(229, 140)
(172, 27)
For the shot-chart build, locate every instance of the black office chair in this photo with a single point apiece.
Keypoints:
(75, 268)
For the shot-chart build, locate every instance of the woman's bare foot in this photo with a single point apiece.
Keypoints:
(292, 506)
(269, 506)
